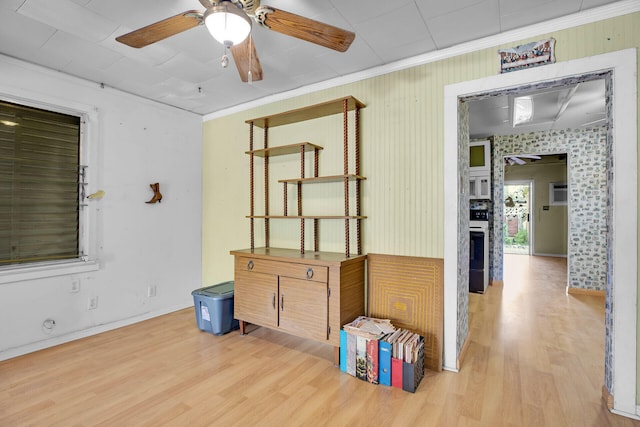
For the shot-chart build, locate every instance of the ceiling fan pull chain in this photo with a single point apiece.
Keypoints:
(224, 61)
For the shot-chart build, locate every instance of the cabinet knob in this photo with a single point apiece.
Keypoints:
(309, 273)
(250, 265)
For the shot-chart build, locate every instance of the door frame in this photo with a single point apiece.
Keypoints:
(623, 287)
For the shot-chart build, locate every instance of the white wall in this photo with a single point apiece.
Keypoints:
(131, 143)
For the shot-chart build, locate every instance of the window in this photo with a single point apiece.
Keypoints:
(39, 185)
(557, 193)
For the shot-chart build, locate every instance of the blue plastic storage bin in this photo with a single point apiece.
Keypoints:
(214, 308)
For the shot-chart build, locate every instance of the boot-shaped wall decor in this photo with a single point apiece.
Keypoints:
(157, 196)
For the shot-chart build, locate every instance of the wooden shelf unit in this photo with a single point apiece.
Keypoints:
(337, 106)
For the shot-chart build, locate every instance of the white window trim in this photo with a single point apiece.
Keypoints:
(87, 245)
(552, 193)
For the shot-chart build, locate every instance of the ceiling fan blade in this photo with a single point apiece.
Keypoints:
(303, 28)
(518, 161)
(246, 59)
(162, 29)
(530, 156)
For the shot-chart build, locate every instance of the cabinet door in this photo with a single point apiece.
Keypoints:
(480, 187)
(484, 187)
(304, 308)
(473, 187)
(256, 298)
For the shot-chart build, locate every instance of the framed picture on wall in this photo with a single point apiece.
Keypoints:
(527, 55)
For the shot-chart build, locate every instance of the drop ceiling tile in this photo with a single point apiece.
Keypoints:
(434, 8)
(510, 7)
(69, 17)
(180, 87)
(407, 50)
(75, 49)
(139, 13)
(359, 56)
(87, 71)
(186, 68)
(479, 20)
(135, 74)
(357, 12)
(521, 13)
(235, 93)
(213, 89)
(45, 59)
(11, 4)
(308, 9)
(196, 43)
(17, 31)
(588, 4)
(401, 26)
(154, 54)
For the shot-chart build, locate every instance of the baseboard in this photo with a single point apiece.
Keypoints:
(607, 398)
(72, 336)
(580, 291)
(550, 255)
(463, 353)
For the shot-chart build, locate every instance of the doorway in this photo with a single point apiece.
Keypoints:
(517, 213)
(620, 360)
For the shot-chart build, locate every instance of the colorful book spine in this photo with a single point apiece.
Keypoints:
(351, 354)
(361, 358)
(372, 361)
(396, 372)
(412, 373)
(343, 351)
(384, 362)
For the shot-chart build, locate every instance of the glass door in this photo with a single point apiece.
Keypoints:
(517, 218)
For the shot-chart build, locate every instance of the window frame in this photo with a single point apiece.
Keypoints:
(87, 246)
(554, 189)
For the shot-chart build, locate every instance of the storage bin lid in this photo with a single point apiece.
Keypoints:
(220, 290)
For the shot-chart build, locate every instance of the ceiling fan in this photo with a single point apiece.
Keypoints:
(517, 160)
(229, 22)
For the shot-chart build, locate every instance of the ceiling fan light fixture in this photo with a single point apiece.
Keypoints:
(227, 23)
(522, 110)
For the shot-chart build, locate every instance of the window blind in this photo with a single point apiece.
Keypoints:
(39, 188)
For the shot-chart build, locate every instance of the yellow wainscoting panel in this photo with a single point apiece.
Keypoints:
(410, 292)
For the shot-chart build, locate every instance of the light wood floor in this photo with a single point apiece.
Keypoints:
(535, 358)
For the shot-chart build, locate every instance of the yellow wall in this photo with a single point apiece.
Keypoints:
(402, 151)
(549, 226)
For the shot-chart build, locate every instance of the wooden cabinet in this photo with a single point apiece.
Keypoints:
(480, 170)
(309, 295)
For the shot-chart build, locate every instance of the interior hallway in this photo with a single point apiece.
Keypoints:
(534, 358)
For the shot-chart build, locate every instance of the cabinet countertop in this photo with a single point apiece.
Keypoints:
(294, 255)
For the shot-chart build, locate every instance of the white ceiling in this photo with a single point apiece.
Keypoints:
(77, 37)
(574, 106)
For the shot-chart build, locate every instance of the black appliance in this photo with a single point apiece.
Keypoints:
(478, 250)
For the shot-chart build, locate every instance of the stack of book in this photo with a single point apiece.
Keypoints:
(374, 350)
(407, 358)
(359, 347)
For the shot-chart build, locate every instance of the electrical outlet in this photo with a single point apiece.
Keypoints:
(93, 303)
(75, 286)
(152, 291)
